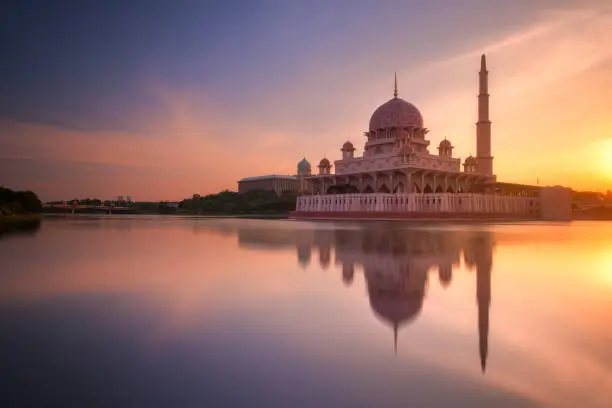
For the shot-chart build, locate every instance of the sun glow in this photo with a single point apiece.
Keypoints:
(607, 268)
(606, 158)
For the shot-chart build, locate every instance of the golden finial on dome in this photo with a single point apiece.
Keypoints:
(395, 86)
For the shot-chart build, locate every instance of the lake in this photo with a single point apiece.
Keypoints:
(151, 311)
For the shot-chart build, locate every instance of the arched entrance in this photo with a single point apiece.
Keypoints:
(384, 189)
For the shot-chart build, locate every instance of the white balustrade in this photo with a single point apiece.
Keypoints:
(421, 203)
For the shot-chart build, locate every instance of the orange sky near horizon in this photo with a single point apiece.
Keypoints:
(549, 108)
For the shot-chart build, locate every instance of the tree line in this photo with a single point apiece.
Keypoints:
(224, 203)
(230, 202)
(18, 202)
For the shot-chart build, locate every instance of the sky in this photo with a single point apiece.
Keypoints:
(161, 99)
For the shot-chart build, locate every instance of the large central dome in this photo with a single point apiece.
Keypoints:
(396, 113)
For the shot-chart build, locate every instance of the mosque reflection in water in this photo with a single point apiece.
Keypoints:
(396, 265)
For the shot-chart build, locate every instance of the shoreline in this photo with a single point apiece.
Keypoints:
(409, 216)
(19, 222)
(17, 218)
(201, 216)
(293, 217)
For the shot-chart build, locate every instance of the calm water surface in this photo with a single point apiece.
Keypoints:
(179, 312)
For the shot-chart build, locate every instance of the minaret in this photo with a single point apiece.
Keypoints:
(484, 159)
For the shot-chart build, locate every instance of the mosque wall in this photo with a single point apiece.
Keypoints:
(420, 204)
(556, 203)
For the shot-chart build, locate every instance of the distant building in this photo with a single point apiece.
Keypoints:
(588, 199)
(128, 199)
(120, 198)
(274, 182)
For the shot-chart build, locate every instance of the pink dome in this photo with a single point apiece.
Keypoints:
(324, 162)
(470, 160)
(348, 146)
(445, 144)
(396, 113)
(394, 307)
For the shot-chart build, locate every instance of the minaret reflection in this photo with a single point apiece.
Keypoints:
(484, 261)
(396, 265)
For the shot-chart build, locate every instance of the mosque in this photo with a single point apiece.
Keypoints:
(398, 177)
(396, 157)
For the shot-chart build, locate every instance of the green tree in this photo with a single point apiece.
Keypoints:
(20, 201)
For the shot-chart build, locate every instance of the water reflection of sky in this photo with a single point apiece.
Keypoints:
(183, 312)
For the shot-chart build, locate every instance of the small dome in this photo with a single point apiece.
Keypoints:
(303, 165)
(470, 160)
(348, 146)
(396, 113)
(324, 162)
(445, 144)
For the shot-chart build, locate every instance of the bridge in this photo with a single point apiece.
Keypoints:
(85, 208)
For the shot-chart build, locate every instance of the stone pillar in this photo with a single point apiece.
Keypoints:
(408, 182)
(422, 182)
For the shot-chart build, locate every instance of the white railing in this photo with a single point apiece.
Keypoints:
(444, 202)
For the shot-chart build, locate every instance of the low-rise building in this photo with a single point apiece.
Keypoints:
(273, 182)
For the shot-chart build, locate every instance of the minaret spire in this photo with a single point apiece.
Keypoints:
(395, 86)
(484, 159)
